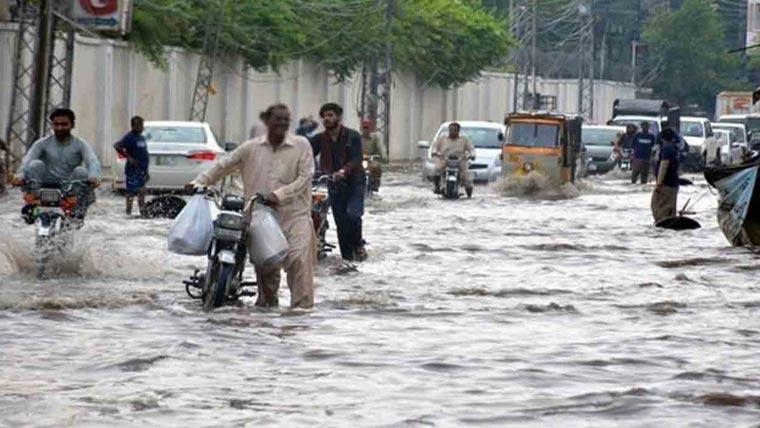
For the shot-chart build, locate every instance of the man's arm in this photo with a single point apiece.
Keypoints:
(93, 164)
(33, 153)
(223, 167)
(469, 148)
(381, 147)
(436, 148)
(662, 172)
(356, 152)
(303, 179)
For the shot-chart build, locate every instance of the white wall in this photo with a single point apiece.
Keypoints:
(112, 82)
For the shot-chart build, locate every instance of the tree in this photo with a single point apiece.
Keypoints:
(687, 47)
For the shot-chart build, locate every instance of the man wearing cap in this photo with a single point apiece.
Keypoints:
(458, 145)
(373, 147)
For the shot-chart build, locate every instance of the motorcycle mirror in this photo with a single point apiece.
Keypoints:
(229, 146)
(423, 144)
(501, 136)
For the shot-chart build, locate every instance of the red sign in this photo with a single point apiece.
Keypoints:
(99, 7)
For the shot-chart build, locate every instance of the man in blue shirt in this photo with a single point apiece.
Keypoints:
(665, 195)
(642, 153)
(134, 147)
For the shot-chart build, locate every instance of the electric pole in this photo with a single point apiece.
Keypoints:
(203, 81)
(586, 61)
(389, 10)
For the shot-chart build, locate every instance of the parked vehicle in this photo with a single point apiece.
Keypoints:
(733, 102)
(696, 131)
(751, 124)
(738, 131)
(54, 210)
(731, 152)
(320, 207)
(487, 137)
(222, 281)
(656, 112)
(546, 143)
(179, 151)
(599, 141)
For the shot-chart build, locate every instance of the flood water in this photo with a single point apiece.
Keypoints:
(497, 311)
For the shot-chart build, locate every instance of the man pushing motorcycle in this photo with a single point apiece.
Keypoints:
(280, 166)
(453, 144)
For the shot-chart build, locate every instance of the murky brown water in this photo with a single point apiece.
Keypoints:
(493, 311)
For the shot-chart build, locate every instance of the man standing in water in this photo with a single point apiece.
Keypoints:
(281, 166)
(133, 147)
(340, 155)
(665, 195)
(643, 143)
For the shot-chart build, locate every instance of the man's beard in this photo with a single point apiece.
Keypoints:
(331, 126)
(62, 135)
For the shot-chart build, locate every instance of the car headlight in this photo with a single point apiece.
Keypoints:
(232, 221)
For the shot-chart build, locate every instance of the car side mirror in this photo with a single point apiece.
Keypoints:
(501, 136)
(423, 144)
(229, 146)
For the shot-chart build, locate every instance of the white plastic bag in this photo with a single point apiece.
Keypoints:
(193, 228)
(267, 244)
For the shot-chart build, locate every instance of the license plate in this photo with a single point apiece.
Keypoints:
(44, 231)
(165, 160)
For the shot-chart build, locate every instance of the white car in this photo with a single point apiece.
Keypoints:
(733, 142)
(487, 137)
(696, 131)
(179, 151)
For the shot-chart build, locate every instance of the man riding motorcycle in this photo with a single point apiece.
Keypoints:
(457, 145)
(57, 160)
(375, 151)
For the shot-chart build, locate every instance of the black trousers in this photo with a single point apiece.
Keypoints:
(347, 203)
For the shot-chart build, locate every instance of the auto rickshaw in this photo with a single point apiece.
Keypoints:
(545, 143)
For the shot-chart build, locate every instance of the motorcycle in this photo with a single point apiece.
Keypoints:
(451, 179)
(623, 158)
(54, 209)
(320, 206)
(370, 185)
(222, 282)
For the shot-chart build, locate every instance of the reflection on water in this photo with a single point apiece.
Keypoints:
(543, 307)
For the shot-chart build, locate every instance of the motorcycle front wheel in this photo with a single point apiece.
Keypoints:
(452, 191)
(216, 294)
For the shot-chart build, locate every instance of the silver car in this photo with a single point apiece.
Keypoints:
(598, 142)
(179, 151)
(487, 137)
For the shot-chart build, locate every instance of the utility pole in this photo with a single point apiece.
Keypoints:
(586, 60)
(534, 36)
(389, 11)
(206, 66)
(43, 49)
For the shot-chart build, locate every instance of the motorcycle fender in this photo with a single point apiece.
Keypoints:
(226, 256)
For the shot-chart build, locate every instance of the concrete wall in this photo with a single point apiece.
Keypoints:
(112, 82)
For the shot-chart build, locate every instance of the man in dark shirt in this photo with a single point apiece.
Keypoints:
(340, 155)
(665, 195)
(134, 147)
(642, 152)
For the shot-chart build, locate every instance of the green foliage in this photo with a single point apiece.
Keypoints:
(693, 64)
(446, 42)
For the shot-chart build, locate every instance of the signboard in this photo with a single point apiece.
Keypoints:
(103, 15)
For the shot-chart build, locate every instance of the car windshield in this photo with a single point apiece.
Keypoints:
(737, 134)
(723, 136)
(533, 134)
(481, 138)
(598, 137)
(175, 134)
(654, 126)
(692, 129)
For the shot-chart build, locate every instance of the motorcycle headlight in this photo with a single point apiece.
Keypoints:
(365, 164)
(232, 221)
(528, 166)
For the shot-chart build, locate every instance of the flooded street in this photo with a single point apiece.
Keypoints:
(493, 311)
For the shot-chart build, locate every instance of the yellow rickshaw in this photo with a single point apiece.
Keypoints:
(545, 143)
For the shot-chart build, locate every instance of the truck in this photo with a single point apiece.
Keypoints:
(733, 103)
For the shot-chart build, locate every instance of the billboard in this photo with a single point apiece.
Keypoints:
(103, 15)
